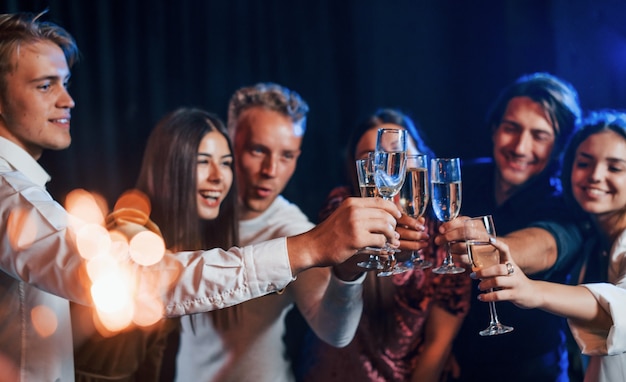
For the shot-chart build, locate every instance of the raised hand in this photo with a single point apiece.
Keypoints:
(357, 223)
(508, 281)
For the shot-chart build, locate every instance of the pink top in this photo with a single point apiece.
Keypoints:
(376, 353)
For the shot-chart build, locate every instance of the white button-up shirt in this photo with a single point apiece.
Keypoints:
(41, 270)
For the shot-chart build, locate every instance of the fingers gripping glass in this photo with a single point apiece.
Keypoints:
(479, 233)
(414, 199)
(446, 200)
(389, 172)
(367, 188)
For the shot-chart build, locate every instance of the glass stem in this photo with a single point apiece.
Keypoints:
(493, 315)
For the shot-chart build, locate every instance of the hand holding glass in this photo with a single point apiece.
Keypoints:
(446, 200)
(414, 198)
(367, 188)
(390, 168)
(479, 232)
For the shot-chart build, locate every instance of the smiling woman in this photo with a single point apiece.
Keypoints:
(215, 173)
(187, 173)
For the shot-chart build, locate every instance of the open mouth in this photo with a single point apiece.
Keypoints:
(210, 195)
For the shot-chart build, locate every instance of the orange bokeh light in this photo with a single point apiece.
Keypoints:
(93, 240)
(86, 206)
(44, 320)
(147, 248)
(21, 230)
(134, 199)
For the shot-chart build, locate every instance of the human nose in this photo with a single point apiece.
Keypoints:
(595, 174)
(523, 144)
(269, 166)
(215, 174)
(65, 100)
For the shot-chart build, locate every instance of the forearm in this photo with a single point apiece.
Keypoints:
(533, 249)
(331, 307)
(201, 281)
(575, 303)
(441, 328)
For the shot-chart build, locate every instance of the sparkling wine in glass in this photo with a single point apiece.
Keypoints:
(414, 198)
(367, 188)
(390, 169)
(446, 200)
(479, 232)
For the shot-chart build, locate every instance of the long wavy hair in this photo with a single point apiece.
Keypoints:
(168, 176)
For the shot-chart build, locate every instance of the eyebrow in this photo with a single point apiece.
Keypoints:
(532, 128)
(211, 155)
(609, 159)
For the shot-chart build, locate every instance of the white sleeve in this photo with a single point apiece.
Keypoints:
(331, 307)
(217, 278)
(38, 247)
(601, 342)
(611, 297)
(37, 242)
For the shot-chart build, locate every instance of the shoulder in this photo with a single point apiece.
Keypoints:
(282, 206)
(288, 215)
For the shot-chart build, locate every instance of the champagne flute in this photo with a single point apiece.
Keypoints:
(414, 198)
(479, 232)
(390, 168)
(367, 188)
(446, 200)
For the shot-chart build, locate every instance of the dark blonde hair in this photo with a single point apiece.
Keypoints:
(271, 97)
(19, 29)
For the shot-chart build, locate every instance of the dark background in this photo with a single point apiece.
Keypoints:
(441, 61)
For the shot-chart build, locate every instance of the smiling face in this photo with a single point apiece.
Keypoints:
(214, 174)
(599, 174)
(35, 104)
(523, 143)
(267, 147)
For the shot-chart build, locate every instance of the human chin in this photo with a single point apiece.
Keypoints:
(515, 177)
(208, 214)
(257, 205)
(60, 143)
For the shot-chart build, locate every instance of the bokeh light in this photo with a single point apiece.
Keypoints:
(118, 257)
(44, 320)
(21, 230)
(93, 240)
(134, 199)
(86, 206)
(147, 248)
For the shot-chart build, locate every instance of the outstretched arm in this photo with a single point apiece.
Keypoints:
(534, 249)
(357, 223)
(576, 303)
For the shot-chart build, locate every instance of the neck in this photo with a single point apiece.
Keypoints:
(611, 224)
(502, 190)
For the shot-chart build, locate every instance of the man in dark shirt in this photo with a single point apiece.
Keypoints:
(530, 123)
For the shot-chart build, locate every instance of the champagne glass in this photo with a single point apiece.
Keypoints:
(446, 200)
(479, 232)
(414, 198)
(367, 188)
(390, 168)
